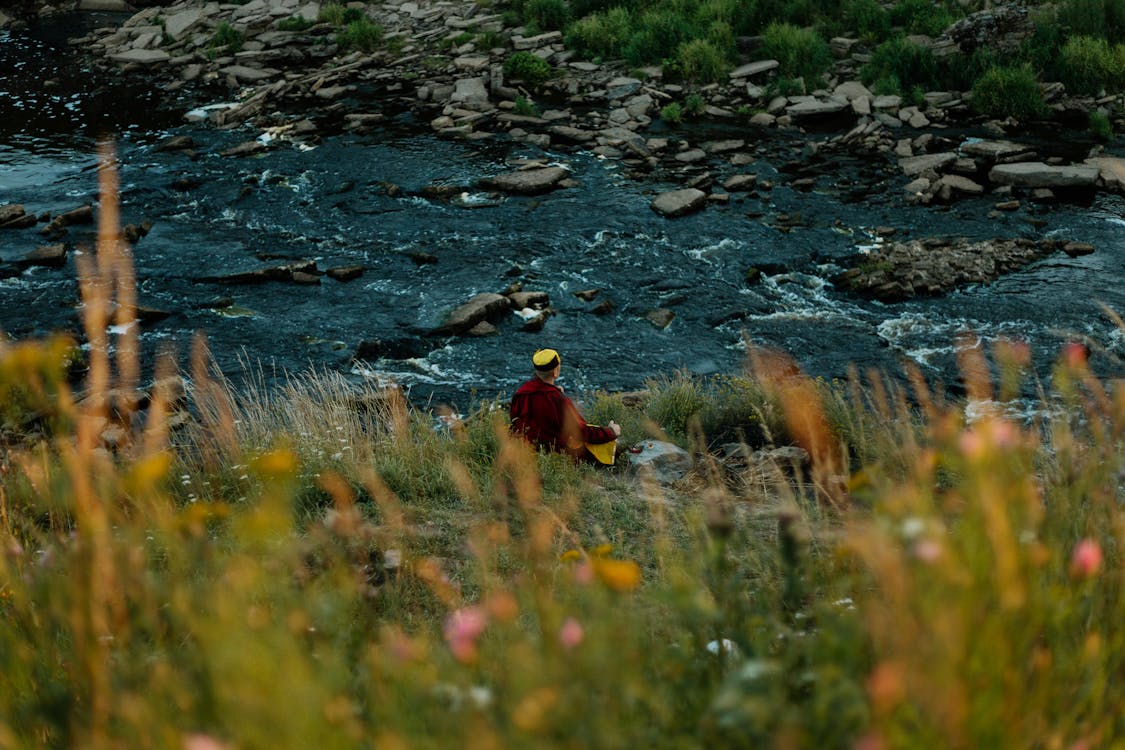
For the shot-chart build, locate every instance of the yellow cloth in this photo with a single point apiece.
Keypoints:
(604, 452)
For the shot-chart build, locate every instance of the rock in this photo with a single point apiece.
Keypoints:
(141, 56)
(916, 165)
(303, 277)
(660, 317)
(661, 461)
(244, 74)
(679, 202)
(80, 215)
(178, 24)
(483, 328)
(533, 300)
(284, 272)
(535, 323)
(1011, 205)
(344, 273)
(47, 255)
(957, 183)
(691, 156)
(485, 306)
(749, 70)
(1078, 249)
(1034, 174)
(587, 295)
(1001, 30)
(817, 107)
(469, 91)
(619, 88)
(176, 143)
(246, 148)
(852, 90)
(1112, 171)
(528, 181)
(995, 152)
(740, 182)
(13, 216)
(762, 120)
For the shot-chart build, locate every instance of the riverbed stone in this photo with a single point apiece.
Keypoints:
(621, 87)
(1036, 174)
(528, 181)
(916, 165)
(749, 70)
(997, 151)
(179, 24)
(142, 56)
(486, 306)
(46, 255)
(679, 202)
(661, 461)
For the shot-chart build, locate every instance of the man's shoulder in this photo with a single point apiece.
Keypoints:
(536, 385)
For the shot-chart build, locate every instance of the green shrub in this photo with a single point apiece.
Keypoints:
(1101, 19)
(489, 40)
(867, 18)
(362, 35)
(294, 23)
(527, 67)
(1087, 65)
(701, 61)
(227, 36)
(1100, 126)
(525, 107)
(786, 86)
(672, 113)
(658, 34)
(927, 17)
(800, 52)
(332, 13)
(547, 15)
(694, 105)
(601, 35)
(1009, 92)
(900, 64)
(675, 403)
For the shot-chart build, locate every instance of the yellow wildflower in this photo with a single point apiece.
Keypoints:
(618, 575)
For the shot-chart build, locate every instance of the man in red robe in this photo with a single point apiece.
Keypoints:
(543, 415)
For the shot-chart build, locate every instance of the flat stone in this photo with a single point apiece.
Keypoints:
(528, 181)
(1036, 174)
(141, 56)
(679, 202)
(851, 90)
(178, 24)
(962, 184)
(995, 151)
(661, 317)
(1112, 170)
(47, 255)
(106, 6)
(915, 165)
(754, 68)
(886, 102)
(467, 90)
(244, 73)
(621, 87)
(813, 107)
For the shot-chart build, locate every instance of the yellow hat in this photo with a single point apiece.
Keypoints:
(603, 452)
(546, 359)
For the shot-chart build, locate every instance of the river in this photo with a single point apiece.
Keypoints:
(327, 200)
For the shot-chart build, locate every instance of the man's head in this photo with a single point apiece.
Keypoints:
(547, 363)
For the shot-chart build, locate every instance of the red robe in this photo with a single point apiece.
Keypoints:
(542, 414)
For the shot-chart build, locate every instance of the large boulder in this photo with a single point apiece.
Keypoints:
(661, 461)
(1036, 174)
(527, 181)
(1001, 29)
(483, 307)
(679, 202)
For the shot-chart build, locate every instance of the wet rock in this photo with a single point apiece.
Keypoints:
(679, 202)
(422, 259)
(740, 182)
(344, 273)
(660, 317)
(283, 272)
(58, 225)
(46, 255)
(485, 306)
(483, 328)
(533, 300)
(142, 56)
(535, 323)
(176, 143)
(587, 295)
(1078, 249)
(813, 107)
(303, 277)
(997, 152)
(1039, 175)
(246, 148)
(528, 181)
(13, 216)
(661, 461)
(916, 165)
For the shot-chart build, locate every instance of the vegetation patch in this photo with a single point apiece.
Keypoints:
(800, 52)
(524, 66)
(1009, 92)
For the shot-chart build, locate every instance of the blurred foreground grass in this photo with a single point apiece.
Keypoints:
(317, 566)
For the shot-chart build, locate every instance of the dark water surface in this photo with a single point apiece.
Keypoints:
(328, 201)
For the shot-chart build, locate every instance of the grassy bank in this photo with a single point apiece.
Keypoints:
(1077, 42)
(321, 565)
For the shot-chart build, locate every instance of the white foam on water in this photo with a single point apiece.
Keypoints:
(704, 253)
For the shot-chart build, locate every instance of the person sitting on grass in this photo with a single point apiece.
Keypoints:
(545, 417)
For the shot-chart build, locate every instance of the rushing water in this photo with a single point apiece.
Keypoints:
(328, 201)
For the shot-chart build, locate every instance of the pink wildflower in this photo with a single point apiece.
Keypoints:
(1086, 560)
(1074, 355)
(927, 550)
(570, 634)
(462, 629)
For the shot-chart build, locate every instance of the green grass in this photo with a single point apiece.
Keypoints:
(227, 37)
(800, 52)
(897, 65)
(672, 113)
(294, 23)
(526, 107)
(1009, 92)
(362, 34)
(524, 66)
(1100, 126)
(1088, 65)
